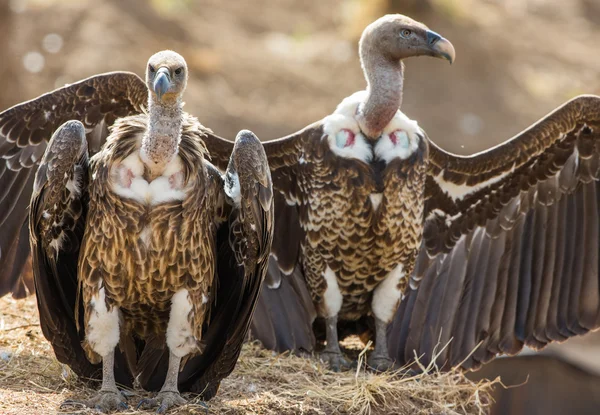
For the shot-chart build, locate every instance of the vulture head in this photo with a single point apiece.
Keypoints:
(398, 37)
(382, 47)
(166, 76)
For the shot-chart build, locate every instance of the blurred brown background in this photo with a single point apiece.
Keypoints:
(274, 66)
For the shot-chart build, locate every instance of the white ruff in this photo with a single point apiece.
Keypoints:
(344, 117)
(360, 150)
(386, 150)
(387, 295)
(160, 190)
(333, 297)
(102, 330)
(180, 339)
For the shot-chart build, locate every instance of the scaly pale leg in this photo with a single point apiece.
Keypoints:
(386, 298)
(169, 396)
(109, 398)
(333, 354)
(380, 358)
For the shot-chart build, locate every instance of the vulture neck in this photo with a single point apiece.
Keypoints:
(161, 140)
(384, 93)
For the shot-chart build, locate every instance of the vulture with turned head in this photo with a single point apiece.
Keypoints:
(446, 253)
(349, 205)
(147, 261)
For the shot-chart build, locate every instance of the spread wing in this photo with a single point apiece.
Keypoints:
(56, 225)
(285, 311)
(243, 244)
(24, 132)
(511, 243)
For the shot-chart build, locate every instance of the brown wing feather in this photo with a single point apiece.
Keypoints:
(56, 224)
(285, 312)
(24, 132)
(524, 218)
(244, 242)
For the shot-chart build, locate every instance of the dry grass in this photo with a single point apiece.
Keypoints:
(33, 382)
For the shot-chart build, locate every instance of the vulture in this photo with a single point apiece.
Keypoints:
(146, 258)
(452, 259)
(349, 204)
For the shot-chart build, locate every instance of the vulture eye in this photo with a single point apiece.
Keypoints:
(151, 68)
(178, 71)
(405, 33)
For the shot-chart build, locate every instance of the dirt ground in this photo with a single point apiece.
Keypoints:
(32, 382)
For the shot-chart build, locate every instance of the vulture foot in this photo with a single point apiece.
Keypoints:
(336, 360)
(380, 362)
(105, 401)
(164, 400)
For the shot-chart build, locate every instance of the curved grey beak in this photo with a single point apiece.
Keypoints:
(162, 82)
(440, 47)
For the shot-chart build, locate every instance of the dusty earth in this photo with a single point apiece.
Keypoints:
(32, 382)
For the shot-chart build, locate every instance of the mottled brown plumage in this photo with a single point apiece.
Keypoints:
(162, 257)
(178, 251)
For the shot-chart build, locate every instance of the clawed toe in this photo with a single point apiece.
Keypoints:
(336, 360)
(164, 401)
(72, 403)
(105, 401)
(380, 363)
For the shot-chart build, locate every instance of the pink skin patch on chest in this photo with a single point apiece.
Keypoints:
(126, 176)
(399, 137)
(176, 180)
(348, 135)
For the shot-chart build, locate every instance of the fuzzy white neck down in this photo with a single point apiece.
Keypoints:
(161, 140)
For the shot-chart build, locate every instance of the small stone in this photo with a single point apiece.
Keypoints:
(5, 355)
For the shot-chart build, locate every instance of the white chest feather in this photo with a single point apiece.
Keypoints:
(400, 138)
(128, 181)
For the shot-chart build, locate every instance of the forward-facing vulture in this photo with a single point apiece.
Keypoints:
(145, 256)
(500, 248)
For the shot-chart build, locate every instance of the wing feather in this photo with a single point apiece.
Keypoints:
(26, 128)
(524, 217)
(56, 226)
(287, 317)
(244, 242)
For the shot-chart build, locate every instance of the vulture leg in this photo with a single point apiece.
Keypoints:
(332, 353)
(181, 342)
(380, 358)
(386, 298)
(109, 398)
(102, 337)
(169, 396)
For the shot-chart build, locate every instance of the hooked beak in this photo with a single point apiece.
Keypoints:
(440, 47)
(162, 82)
